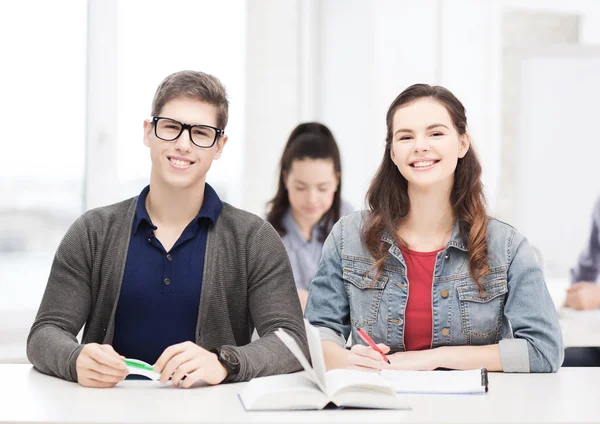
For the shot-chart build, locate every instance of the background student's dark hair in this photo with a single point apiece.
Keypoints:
(310, 140)
(388, 198)
(309, 128)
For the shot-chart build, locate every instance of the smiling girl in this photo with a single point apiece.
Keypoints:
(426, 273)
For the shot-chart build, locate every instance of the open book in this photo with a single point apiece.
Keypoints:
(315, 388)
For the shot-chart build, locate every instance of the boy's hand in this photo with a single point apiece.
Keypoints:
(100, 366)
(189, 360)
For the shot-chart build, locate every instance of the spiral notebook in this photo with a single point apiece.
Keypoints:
(438, 382)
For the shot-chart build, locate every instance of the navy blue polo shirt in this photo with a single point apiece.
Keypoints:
(160, 293)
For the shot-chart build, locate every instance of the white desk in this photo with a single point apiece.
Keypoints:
(27, 396)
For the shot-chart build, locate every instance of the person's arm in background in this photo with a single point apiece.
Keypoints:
(584, 292)
(52, 345)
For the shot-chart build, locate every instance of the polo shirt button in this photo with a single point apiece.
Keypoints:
(167, 282)
(169, 257)
(445, 331)
(149, 240)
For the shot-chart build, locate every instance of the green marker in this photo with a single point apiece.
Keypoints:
(135, 366)
(136, 363)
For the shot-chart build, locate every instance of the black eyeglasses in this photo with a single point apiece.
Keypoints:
(168, 129)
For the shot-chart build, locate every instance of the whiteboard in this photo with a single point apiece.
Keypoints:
(558, 152)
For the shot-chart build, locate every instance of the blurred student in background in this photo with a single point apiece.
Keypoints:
(308, 200)
(584, 293)
(426, 273)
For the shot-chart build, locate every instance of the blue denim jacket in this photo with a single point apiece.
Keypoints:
(514, 310)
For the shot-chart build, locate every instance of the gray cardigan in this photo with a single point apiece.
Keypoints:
(248, 282)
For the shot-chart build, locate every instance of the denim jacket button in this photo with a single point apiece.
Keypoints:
(445, 331)
(444, 293)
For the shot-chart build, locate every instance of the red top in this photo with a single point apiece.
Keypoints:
(418, 316)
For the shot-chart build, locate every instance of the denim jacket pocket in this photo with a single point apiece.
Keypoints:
(364, 293)
(482, 311)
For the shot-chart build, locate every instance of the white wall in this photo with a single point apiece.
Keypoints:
(272, 94)
(366, 63)
(471, 65)
(558, 152)
(156, 39)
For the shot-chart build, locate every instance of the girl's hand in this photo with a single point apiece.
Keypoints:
(366, 359)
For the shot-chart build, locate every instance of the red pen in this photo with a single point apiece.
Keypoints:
(371, 343)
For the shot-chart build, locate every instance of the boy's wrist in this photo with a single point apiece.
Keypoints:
(229, 362)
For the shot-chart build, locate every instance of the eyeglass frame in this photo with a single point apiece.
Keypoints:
(218, 131)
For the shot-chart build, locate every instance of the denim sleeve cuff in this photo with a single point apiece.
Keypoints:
(328, 334)
(514, 355)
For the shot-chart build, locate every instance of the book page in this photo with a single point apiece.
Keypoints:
(316, 352)
(442, 382)
(283, 392)
(362, 389)
(339, 380)
(297, 352)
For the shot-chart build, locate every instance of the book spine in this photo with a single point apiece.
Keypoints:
(484, 379)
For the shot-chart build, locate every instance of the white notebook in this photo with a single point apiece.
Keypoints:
(438, 382)
(315, 387)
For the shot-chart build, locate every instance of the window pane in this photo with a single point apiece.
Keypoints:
(42, 118)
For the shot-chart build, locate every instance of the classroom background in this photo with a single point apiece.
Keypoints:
(78, 77)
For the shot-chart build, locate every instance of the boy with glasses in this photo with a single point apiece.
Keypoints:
(174, 276)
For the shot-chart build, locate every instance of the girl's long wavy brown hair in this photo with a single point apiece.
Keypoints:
(388, 199)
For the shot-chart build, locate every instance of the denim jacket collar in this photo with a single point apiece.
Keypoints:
(456, 239)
